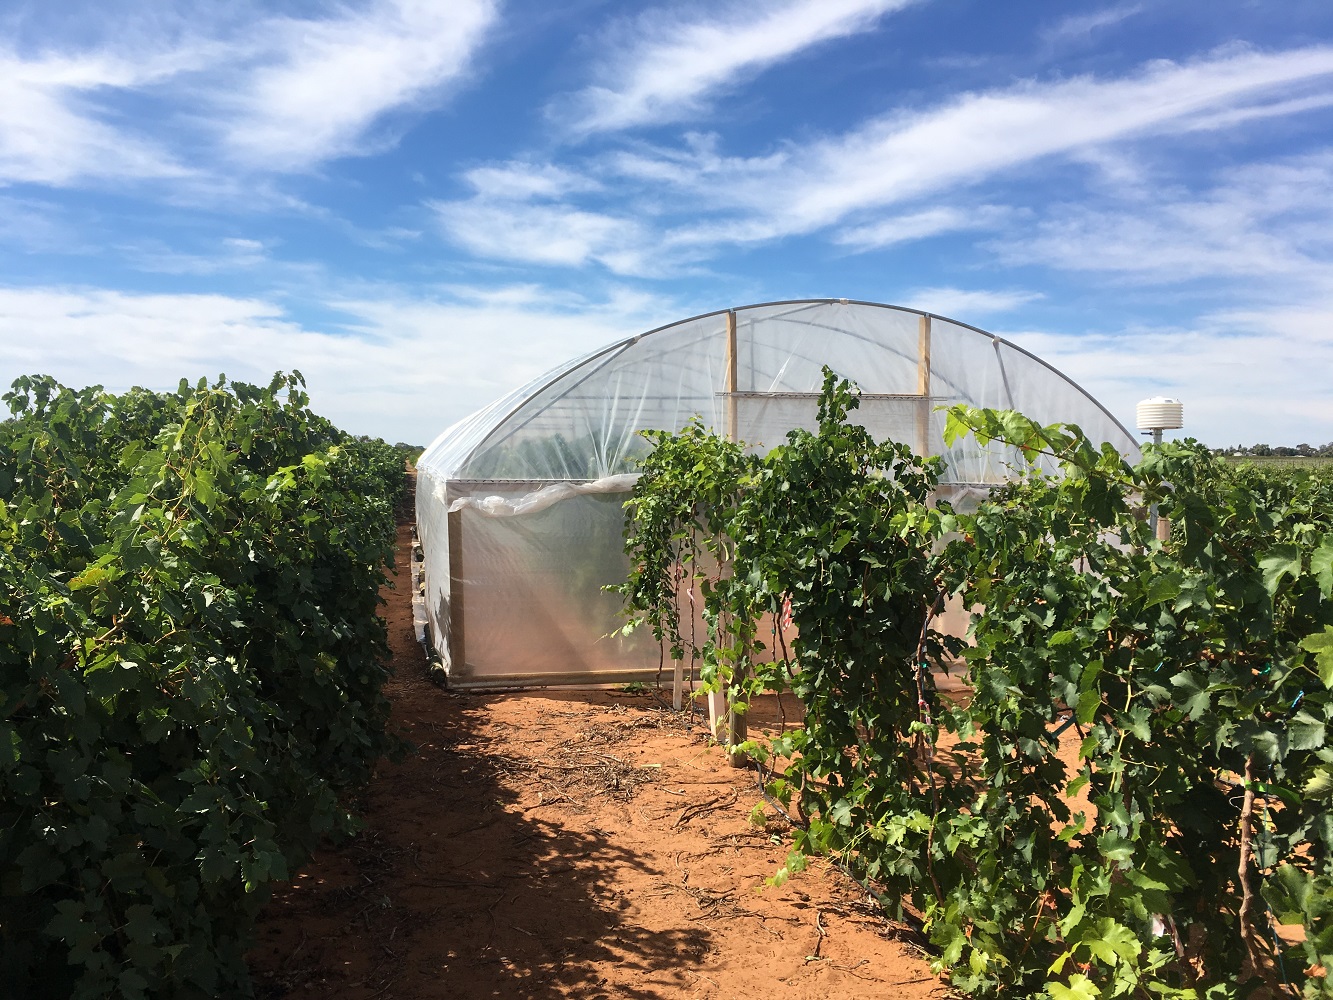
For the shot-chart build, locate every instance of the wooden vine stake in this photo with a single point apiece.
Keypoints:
(1249, 935)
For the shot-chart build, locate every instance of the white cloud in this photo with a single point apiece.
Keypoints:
(412, 366)
(52, 130)
(1261, 222)
(1081, 26)
(116, 338)
(964, 304)
(913, 226)
(268, 94)
(907, 159)
(36, 226)
(230, 254)
(665, 66)
(520, 180)
(521, 212)
(1231, 117)
(911, 156)
(690, 164)
(980, 135)
(1233, 372)
(550, 234)
(326, 82)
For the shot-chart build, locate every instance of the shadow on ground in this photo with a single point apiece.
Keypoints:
(456, 889)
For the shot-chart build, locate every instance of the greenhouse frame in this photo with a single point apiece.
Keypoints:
(520, 512)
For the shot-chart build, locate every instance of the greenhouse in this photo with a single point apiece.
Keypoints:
(520, 505)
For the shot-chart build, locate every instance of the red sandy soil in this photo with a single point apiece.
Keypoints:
(567, 843)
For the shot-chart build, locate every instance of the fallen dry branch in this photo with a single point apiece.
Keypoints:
(703, 808)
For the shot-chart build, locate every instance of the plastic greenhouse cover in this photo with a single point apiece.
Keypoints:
(530, 503)
(582, 421)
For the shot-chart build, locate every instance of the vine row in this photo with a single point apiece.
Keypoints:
(191, 665)
(1133, 800)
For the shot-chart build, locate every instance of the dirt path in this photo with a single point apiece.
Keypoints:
(565, 844)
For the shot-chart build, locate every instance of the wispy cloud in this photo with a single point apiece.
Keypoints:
(266, 95)
(912, 226)
(325, 82)
(1079, 27)
(519, 212)
(983, 135)
(1258, 223)
(33, 225)
(230, 254)
(906, 160)
(519, 180)
(1234, 372)
(666, 66)
(545, 233)
(53, 131)
(897, 167)
(967, 303)
(413, 365)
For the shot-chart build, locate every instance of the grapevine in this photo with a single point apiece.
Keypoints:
(1192, 675)
(190, 672)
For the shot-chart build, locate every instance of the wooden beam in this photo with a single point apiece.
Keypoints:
(923, 441)
(717, 714)
(729, 376)
(725, 722)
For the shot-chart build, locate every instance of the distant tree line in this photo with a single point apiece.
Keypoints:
(1278, 451)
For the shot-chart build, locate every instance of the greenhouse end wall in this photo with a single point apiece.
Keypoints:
(536, 610)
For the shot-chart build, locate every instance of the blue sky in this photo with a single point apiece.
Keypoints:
(422, 203)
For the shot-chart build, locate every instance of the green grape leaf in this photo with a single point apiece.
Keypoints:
(1111, 942)
(1115, 847)
(1281, 562)
(1080, 988)
(1320, 784)
(1321, 644)
(1321, 565)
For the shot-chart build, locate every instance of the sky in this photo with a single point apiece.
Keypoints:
(421, 204)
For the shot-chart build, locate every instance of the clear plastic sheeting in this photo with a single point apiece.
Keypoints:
(764, 419)
(534, 607)
(520, 505)
(531, 503)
